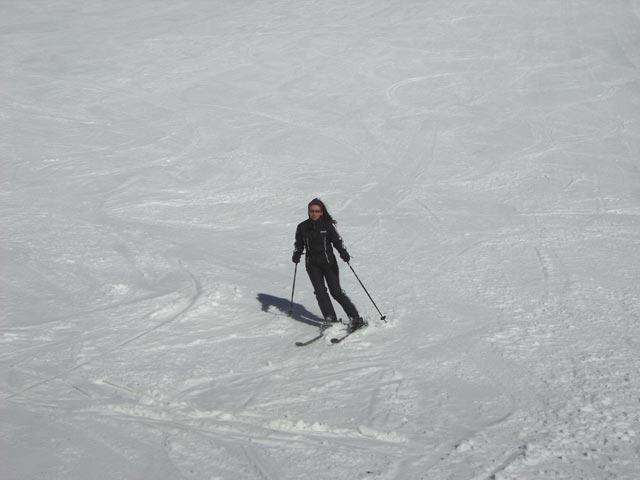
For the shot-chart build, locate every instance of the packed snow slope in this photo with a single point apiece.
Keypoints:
(481, 157)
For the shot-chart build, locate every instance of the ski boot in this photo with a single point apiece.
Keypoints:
(356, 323)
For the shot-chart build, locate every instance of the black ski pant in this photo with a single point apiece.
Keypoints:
(318, 274)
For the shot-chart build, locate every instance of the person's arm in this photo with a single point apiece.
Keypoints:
(298, 246)
(337, 242)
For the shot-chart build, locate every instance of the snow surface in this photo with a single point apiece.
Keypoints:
(482, 158)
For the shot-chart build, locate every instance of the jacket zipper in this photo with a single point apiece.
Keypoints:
(306, 260)
(326, 255)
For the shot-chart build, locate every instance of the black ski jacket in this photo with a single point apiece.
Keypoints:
(317, 239)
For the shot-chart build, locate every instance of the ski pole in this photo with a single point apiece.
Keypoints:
(382, 317)
(293, 289)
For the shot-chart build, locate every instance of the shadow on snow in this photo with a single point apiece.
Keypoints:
(298, 313)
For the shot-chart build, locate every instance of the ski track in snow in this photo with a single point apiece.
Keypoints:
(482, 158)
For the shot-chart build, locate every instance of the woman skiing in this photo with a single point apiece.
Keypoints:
(316, 235)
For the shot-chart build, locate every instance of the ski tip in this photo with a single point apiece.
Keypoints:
(335, 340)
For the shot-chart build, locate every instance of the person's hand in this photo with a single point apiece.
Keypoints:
(345, 256)
(295, 258)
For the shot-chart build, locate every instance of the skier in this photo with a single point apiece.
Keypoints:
(317, 234)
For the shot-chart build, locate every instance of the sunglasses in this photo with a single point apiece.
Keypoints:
(315, 211)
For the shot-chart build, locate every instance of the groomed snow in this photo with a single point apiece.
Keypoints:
(481, 157)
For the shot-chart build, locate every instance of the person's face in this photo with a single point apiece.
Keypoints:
(315, 212)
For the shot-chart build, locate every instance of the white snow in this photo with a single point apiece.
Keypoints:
(481, 157)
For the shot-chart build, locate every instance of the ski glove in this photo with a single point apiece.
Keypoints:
(345, 256)
(295, 258)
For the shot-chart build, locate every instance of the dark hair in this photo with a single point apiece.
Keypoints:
(319, 203)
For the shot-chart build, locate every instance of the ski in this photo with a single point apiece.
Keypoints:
(323, 327)
(334, 340)
(346, 335)
(309, 342)
(339, 339)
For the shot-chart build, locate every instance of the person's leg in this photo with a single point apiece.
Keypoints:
(316, 275)
(333, 281)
